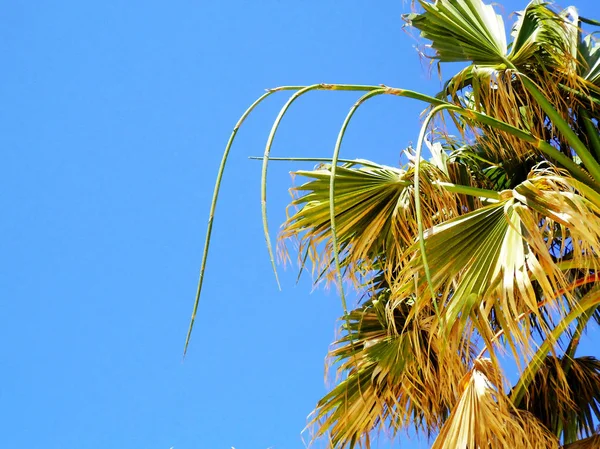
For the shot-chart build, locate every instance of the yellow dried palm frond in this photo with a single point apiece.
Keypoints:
(484, 418)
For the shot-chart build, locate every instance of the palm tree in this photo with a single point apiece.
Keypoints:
(485, 252)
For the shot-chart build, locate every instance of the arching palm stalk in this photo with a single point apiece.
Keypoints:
(490, 246)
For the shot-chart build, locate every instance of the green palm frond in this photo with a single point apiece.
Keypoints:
(542, 34)
(544, 55)
(463, 30)
(374, 213)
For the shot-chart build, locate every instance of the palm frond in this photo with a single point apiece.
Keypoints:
(589, 59)
(491, 247)
(483, 418)
(374, 211)
(497, 257)
(391, 379)
(565, 396)
(466, 30)
(540, 34)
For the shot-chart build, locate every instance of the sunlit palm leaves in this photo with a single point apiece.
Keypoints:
(488, 259)
(483, 418)
(375, 213)
(462, 31)
(399, 373)
(589, 57)
(485, 251)
(543, 33)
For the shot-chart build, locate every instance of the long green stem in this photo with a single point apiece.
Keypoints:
(318, 159)
(581, 94)
(334, 241)
(468, 190)
(419, 213)
(576, 171)
(215, 197)
(334, 162)
(266, 156)
(589, 21)
(263, 192)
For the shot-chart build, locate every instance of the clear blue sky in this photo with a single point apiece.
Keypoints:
(113, 119)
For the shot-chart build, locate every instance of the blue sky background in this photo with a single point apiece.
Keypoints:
(113, 119)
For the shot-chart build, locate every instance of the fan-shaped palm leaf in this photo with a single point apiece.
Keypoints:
(374, 212)
(462, 30)
(495, 258)
(483, 418)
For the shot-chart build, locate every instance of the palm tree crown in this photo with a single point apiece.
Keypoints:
(483, 251)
